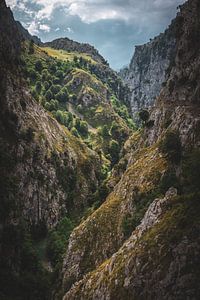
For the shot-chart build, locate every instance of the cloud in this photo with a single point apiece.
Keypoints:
(90, 11)
(68, 29)
(44, 27)
(33, 28)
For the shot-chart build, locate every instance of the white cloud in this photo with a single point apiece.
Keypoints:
(57, 29)
(33, 28)
(68, 29)
(11, 3)
(44, 27)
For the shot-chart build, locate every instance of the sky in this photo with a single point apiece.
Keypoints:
(114, 27)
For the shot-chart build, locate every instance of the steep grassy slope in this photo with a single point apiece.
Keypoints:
(68, 87)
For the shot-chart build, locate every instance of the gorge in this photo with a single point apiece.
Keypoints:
(94, 206)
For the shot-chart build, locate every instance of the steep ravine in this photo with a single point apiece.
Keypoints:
(160, 259)
(71, 226)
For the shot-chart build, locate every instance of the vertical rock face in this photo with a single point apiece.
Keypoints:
(177, 106)
(148, 69)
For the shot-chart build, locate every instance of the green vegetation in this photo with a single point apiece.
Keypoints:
(142, 203)
(57, 241)
(31, 281)
(144, 115)
(191, 171)
(60, 80)
(171, 146)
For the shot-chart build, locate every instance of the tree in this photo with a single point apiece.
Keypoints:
(32, 74)
(48, 95)
(83, 128)
(74, 132)
(59, 74)
(46, 85)
(114, 129)
(55, 89)
(105, 131)
(45, 74)
(52, 68)
(62, 95)
(171, 146)
(144, 115)
(38, 87)
(31, 47)
(114, 150)
(191, 171)
(38, 65)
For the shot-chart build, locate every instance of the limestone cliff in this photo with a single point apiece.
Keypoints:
(149, 69)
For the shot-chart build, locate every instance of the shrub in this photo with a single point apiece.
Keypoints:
(38, 87)
(74, 132)
(46, 85)
(31, 47)
(114, 150)
(38, 65)
(168, 180)
(144, 115)
(191, 171)
(171, 146)
(83, 128)
(129, 223)
(57, 240)
(55, 89)
(32, 74)
(48, 95)
(62, 95)
(45, 75)
(149, 124)
(105, 131)
(59, 74)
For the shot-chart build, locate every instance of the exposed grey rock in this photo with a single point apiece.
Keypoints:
(148, 70)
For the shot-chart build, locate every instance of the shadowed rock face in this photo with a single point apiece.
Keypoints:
(149, 69)
(44, 159)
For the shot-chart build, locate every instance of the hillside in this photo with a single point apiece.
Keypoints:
(92, 207)
(70, 45)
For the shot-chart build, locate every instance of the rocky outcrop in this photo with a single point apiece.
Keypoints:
(149, 69)
(157, 262)
(70, 45)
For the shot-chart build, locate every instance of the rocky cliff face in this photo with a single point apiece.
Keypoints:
(177, 106)
(149, 69)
